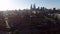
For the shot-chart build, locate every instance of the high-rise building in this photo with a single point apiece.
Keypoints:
(34, 7)
(38, 8)
(31, 6)
(54, 9)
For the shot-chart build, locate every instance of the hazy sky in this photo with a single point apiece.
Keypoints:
(23, 4)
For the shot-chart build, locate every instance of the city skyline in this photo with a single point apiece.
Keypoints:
(25, 4)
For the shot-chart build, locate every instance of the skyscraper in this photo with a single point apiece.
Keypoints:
(31, 6)
(34, 7)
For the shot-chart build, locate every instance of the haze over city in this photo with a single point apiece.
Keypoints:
(29, 16)
(25, 4)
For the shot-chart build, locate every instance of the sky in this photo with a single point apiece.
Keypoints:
(25, 4)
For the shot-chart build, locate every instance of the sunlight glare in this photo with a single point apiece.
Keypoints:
(4, 4)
